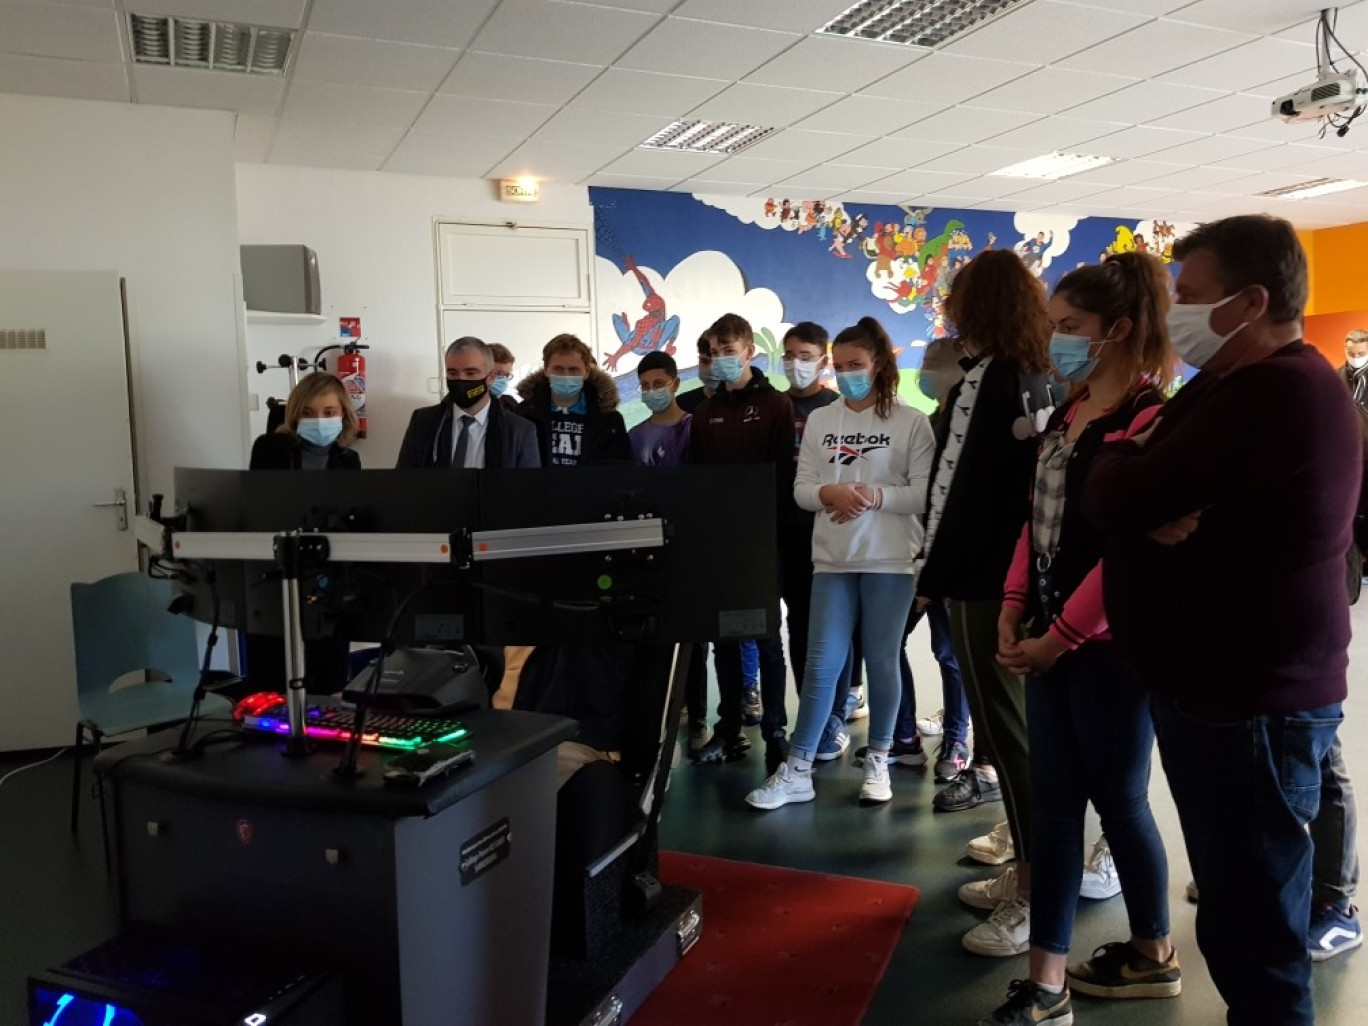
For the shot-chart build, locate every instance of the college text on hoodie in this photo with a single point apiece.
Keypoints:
(602, 437)
(893, 453)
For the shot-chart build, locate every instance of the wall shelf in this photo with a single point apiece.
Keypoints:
(271, 317)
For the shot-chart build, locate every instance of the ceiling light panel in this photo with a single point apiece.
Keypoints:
(1053, 166)
(1316, 187)
(915, 22)
(209, 45)
(722, 137)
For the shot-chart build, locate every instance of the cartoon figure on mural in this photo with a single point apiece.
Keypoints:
(841, 233)
(652, 333)
(1032, 251)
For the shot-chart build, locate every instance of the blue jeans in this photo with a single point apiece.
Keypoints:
(1246, 787)
(1091, 738)
(750, 662)
(955, 701)
(1334, 834)
(879, 603)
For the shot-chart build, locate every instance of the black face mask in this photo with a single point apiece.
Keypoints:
(466, 394)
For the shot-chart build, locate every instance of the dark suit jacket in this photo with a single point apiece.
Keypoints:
(510, 440)
(275, 451)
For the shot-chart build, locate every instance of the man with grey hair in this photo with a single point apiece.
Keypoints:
(466, 430)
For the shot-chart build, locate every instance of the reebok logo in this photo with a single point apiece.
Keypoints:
(849, 448)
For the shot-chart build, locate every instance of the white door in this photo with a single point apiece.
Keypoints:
(68, 447)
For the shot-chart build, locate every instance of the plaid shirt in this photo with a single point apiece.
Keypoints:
(1047, 516)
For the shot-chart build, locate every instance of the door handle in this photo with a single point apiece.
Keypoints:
(120, 502)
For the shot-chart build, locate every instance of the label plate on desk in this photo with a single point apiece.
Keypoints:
(486, 850)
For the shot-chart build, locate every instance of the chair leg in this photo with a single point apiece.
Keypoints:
(76, 753)
(104, 825)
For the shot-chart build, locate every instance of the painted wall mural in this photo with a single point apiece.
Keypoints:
(668, 264)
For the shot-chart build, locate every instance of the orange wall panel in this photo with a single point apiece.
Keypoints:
(1338, 260)
(1326, 332)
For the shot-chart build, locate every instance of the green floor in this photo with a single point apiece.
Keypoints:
(932, 979)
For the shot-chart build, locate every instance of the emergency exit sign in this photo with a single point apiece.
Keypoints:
(519, 190)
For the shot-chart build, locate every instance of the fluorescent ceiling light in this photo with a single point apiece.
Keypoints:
(915, 22)
(1053, 165)
(706, 137)
(1317, 187)
(209, 45)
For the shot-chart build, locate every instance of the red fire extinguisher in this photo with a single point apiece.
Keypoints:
(351, 368)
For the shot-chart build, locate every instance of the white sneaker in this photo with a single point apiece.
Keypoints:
(1099, 873)
(993, 848)
(876, 788)
(933, 725)
(1006, 932)
(857, 705)
(992, 892)
(785, 785)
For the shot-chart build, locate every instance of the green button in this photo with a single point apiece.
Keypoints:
(605, 582)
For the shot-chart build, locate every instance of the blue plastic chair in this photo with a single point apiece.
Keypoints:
(136, 664)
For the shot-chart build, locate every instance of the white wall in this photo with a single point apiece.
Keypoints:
(147, 192)
(373, 234)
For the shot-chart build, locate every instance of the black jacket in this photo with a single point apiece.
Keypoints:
(276, 451)
(509, 440)
(605, 432)
(990, 495)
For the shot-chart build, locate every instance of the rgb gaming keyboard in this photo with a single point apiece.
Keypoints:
(327, 722)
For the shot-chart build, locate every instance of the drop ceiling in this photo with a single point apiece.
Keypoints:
(1177, 90)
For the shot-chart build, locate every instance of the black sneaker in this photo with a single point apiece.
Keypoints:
(1117, 970)
(776, 751)
(903, 753)
(752, 709)
(725, 749)
(698, 737)
(1028, 1005)
(970, 787)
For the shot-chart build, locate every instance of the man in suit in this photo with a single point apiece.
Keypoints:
(468, 429)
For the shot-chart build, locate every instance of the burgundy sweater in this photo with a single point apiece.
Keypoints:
(1249, 615)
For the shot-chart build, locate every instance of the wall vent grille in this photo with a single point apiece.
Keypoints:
(23, 338)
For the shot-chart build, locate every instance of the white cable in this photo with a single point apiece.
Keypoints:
(32, 765)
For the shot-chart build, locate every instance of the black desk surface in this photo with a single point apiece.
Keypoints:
(253, 769)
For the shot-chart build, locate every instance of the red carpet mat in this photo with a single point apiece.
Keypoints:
(780, 947)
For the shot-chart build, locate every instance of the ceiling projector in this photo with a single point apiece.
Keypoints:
(1329, 94)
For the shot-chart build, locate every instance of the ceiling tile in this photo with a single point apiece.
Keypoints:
(604, 127)
(1049, 90)
(566, 32)
(649, 6)
(557, 162)
(52, 30)
(772, 106)
(211, 90)
(1196, 178)
(873, 197)
(966, 125)
(1155, 7)
(910, 183)
(643, 92)
(293, 141)
(1293, 157)
(682, 47)
(869, 115)
(829, 179)
(252, 137)
(1214, 149)
(706, 187)
(814, 147)
(755, 171)
(1154, 48)
(405, 21)
(662, 164)
(992, 187)
(275, 13)
(1127, 172)
(372, 62)
(1035, 29)
(469, 148)
(1351, 26)
(1143, 102)
(1276, 130)
(1340, 165)
(1229, 112)
(497, 117)
(609, 181)
(458, 168)
(978, 160)
(897, 154)
(497, 76)
(1056, 134)
(946, 78)
(352, 105)
(53, 76)
(1063, 191)
(1262, 16)
(1255, 184)
(859, 61)
(790, 15)
(1139, 141)
(1250, 65)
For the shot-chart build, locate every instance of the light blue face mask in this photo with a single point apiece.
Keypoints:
(566, 386)
(657, 400)
(499, 385)
(727, 368)
(319, 431)
(1071, 357)
(855, 385)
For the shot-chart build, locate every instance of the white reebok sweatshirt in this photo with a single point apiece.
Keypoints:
(893, 453)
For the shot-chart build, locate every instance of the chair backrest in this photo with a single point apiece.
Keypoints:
(120, 625)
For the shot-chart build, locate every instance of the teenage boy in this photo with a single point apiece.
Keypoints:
(692, 399)
(574, 407)
(663, 439)
(746, 421)
(503, 375)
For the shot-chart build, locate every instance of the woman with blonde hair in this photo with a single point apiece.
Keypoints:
(320, 426)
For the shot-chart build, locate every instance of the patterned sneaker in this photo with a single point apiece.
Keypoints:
(1117, 970)
(835, 740)
(1005, 933)
(698, 737)
(876, 788)
(951, 758)
(751, 708)
(785, 785)
(903, 753)
(721, 749)
(993, 848)
(1333, 931)
(973, 786)
(1099, 874)
(992, 892)
(933, 725)
(1028, 1005)
(857, 706)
